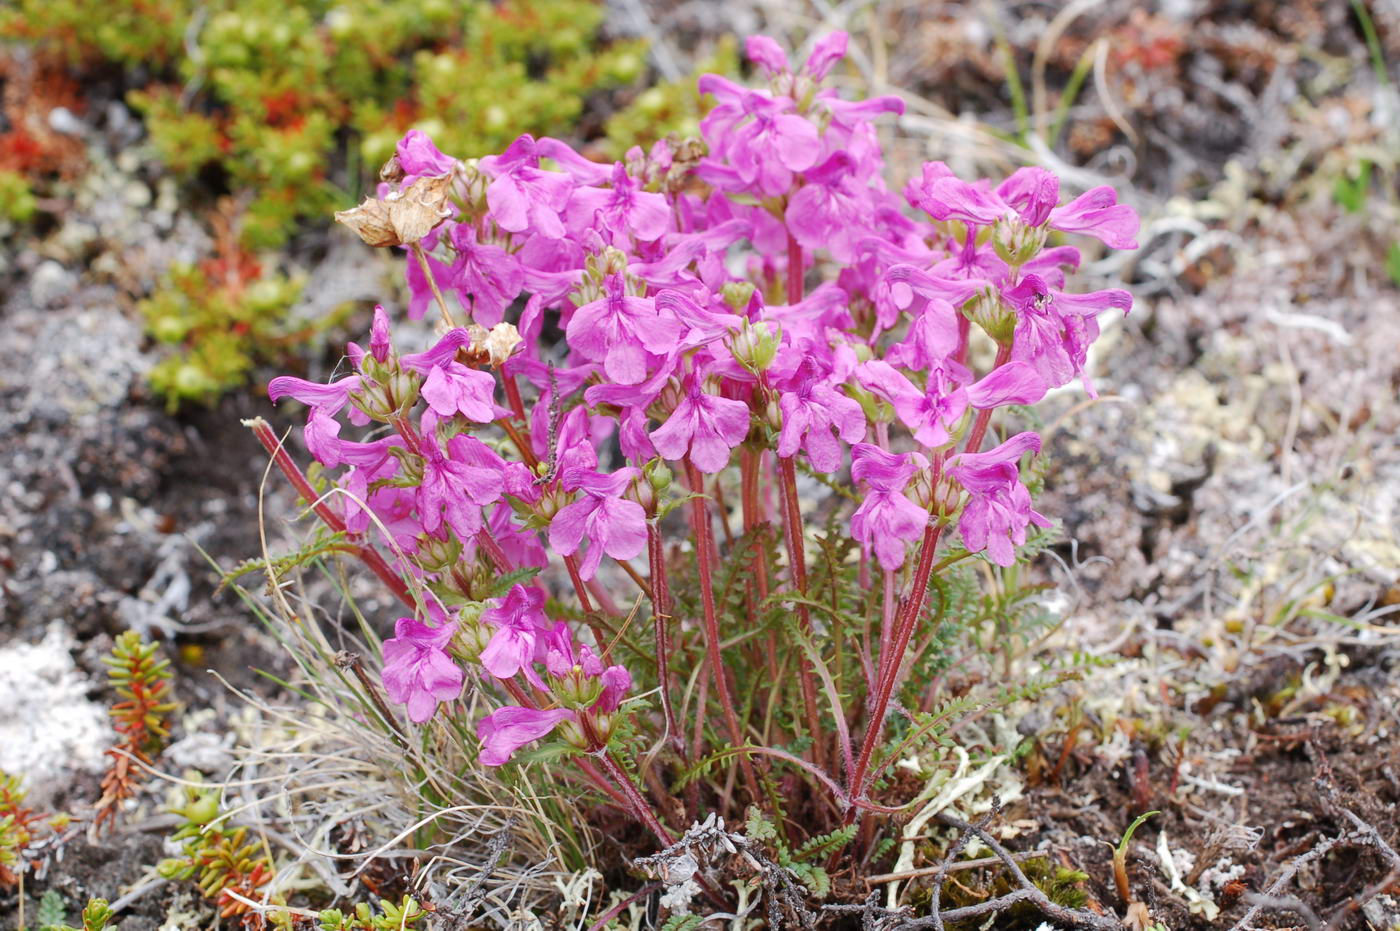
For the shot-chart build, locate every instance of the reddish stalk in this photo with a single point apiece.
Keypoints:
(580, 589)
(797, 560)
(794, 270)
(366, 553)
(749, 468)
(661, 613)
(635, 801)
(904, 629)
(513, 397)
(704, 549)
(984, 416)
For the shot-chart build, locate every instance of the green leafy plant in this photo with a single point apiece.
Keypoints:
(220, 317)
(224, 863)
(140, 676)
(390, 917)
(97, 916)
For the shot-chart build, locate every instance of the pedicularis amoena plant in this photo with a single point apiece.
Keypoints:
(695, 327)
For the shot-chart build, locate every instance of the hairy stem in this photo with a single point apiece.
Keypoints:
(661, 613)
(366, 553)
(797, 560)
(704, 550)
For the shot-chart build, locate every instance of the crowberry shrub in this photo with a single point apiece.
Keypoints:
(746, 329)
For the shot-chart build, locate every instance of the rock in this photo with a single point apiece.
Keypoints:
(48, 726)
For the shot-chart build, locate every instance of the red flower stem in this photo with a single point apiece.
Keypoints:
(904, 629)
(571, 564)
(513, 396)
(797, 561)
(984, 416)
(364, 551)
(704, 549)
(493, 550)
(749, 467)
(635, 801)
(527, 454)
(794, 270)
(887, 612)
(661, 613)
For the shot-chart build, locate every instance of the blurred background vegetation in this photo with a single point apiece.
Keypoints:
(270, 116)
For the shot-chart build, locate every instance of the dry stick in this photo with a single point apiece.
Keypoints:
(1289, 871)
(704, 549)
(797, 560)
(941, 875)
(432, 283)
(1028, 892)
(1357, 901)
(365, 552)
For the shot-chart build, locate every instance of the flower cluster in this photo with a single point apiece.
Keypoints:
(756, 303)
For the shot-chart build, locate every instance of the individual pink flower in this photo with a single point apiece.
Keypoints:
(623, 211)
(417, 670)
(520, 622)
(829, 211)
(999, 509)
(815, 414)
(418, 157)
(704, 426)
(932, 413)
(1054, 329)
(457, 482)
(611, 523)
(507, 729)
(486, 277)
(521, 195)
(886, 520)
(619, 330)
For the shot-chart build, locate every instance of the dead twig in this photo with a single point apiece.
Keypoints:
(1028, 891)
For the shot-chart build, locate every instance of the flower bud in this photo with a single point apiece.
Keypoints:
(1016, 242)
(990, 312)
(946, 500)
(572, 733)
(755, 346)
(658, 475)
(436, 554)
(472, 636)
(576, 688)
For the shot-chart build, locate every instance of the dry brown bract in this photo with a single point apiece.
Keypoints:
(403, 217)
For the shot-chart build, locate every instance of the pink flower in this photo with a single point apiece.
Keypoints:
(999, 508)
(625, 210)
(705, 427)
(886, 520)
(619, 330)
(522, 196)
(612, 524)
(418, 157)
(507, 729)
(456, 483)
(932, 414)
(488, 276)
(812, 412)
(417, 670)
(520, 622)
(830, 210)
(1054, 329)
